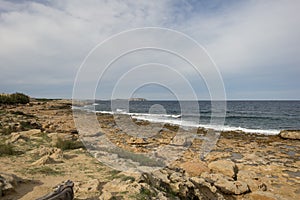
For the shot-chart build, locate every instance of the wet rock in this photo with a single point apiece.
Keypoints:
(226, 167)
(290, 134)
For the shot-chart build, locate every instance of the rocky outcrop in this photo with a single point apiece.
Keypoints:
(87, 186)
(24, 135)
(290, 134)
(178, 183)
(8, 183)
(253, 181)
(226, 184)
(195, 167)
(44, 160)
(226, 167)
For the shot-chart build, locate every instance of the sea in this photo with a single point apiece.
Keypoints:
(262, 117)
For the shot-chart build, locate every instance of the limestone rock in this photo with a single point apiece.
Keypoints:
(44, 160)
(128, 189)
(290, 134)
(8, 183)
(87, 186)
(226, 184)
(231, 187)
(32, 132)
(15, 137)
(252, 180)
(195, 167)
(226, 167)
(259, 195)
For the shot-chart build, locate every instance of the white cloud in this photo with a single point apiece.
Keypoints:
(43, 44)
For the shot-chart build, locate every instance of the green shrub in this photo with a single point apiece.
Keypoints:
(16, 98)
(68, 144)
(6, 149)
(7, 130)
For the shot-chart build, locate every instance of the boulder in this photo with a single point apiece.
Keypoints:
(253, 181)
(225, 167)
(232, 187)
(226, 184)
(194, 167)
(290, 134)
(8, 183)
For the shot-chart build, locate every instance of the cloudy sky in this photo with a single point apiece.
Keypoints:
(255, 44)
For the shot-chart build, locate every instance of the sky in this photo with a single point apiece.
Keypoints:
(254, 44)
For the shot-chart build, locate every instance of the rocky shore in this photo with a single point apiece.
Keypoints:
(40, 147)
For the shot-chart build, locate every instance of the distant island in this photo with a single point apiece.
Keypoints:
(137, 99)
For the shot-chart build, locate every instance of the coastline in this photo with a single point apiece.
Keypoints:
(267, 166)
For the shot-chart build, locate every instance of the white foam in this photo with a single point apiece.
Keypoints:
(176, 120)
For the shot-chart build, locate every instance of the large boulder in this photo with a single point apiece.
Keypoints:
(290, 134)
(253, 181)
(232, 187)
(225, 167)
(226, 184)
(194, 167)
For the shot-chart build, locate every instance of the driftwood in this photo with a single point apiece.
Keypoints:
(63, 191)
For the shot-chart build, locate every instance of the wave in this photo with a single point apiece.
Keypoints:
(210, 126)
(177, 120)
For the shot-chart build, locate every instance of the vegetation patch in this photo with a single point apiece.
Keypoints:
(21, 113)
(42, 170)
(144, 194)
(6, 149)
(12, 99)
(69, 144)
(128, 178)
(8, 130)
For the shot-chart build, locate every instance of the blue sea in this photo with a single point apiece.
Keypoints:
(264, 117)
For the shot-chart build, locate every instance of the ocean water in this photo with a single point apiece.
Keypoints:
(264, 117)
